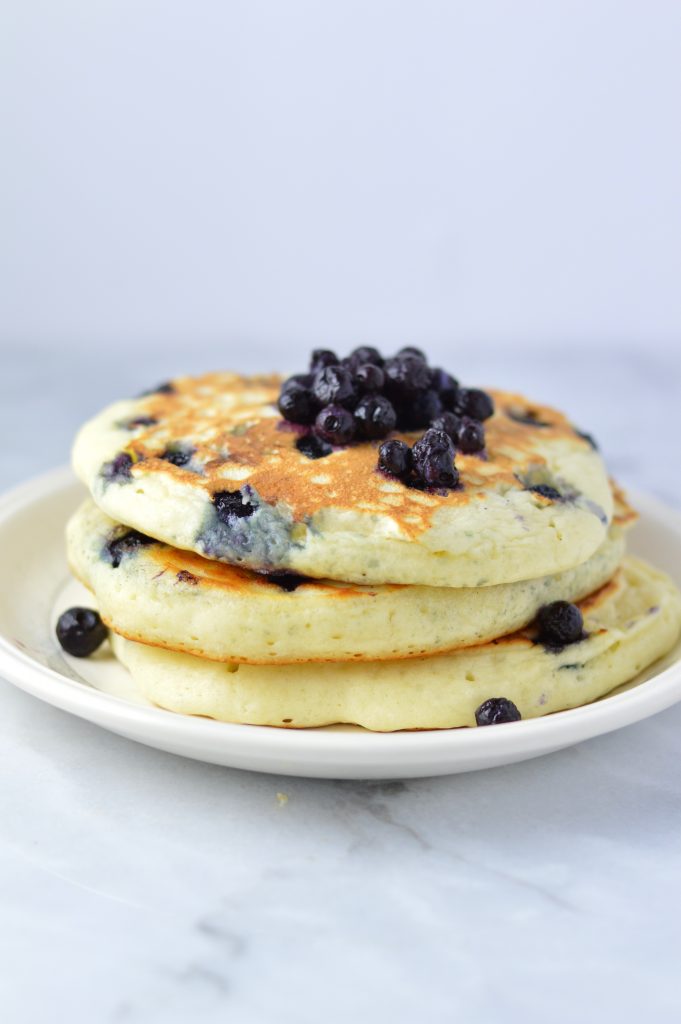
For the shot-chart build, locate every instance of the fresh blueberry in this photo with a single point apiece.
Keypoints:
(375, 417)
(445, 385)
(141, 421)
(560, 623)
(167, 388)
(546, 491)
(322, 357)
(313, 447)
(394, 457)
(124, 544)
(297, 404)
(369, 378)
(335, 425)
(470, 437)
(448, 423)
(80, 631)
(405, 376)
(304, 379)
(419, 411)
(333, 385)
(527, 418)
(119, 469)
(434, 460)
(496, 711)
(474, 403)
(412, 351)
(230, 505)
(364, 354)
(178, 456)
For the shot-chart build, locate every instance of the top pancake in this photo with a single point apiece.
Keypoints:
(337, 517)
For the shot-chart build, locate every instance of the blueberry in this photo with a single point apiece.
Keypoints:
(394, 457)
(375, 417)
(497, 710)
(124, 544)
(369, 378)
(141, 421)
(335, 425)
(119, 469)
(178, 456)
(304, 379)
(322, 357)
(546, 491)
(434, 460)
(418, 411)
(448, 423)
(313, 446)
(80, 632)
(333, 385)
(364, 354)
(167, 388)
(445, 385)
(528, 418)
(474, 403)
(230, 505)
(297, 404)
(434, 440)
(588, 438)
(470, 437)
(405, 376)
(288, 581)
(412, 351)
(560, 623)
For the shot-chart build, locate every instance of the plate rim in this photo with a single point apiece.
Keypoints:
(86, 701)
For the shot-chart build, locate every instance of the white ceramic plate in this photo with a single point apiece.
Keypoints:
(36, 587)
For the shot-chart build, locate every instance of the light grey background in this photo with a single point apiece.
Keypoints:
(280, 173)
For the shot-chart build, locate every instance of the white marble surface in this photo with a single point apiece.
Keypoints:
(137, 886)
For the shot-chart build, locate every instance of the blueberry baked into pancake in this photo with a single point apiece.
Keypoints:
(367, 542)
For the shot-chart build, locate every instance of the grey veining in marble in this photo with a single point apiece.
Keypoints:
(140, 887)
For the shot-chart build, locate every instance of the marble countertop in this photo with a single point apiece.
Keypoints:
(140, 887)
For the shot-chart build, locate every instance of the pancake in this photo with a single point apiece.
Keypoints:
(157, 594)
(630, 623)
(156, 463)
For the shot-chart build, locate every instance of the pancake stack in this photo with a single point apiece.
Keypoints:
(352, 546)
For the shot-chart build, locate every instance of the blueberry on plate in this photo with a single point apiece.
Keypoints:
(364, 354)
(80, 631)
(448, 423)
(560, 623)
(297, 403)
(335, 425)
(411, 350)
(394, 457)
(322, 357)
(405, 376)
(470, 436)
(313, 447)
(369, 378)
(333, 386)
(474, 403)
(497, 710)
(433, 459)
(418, 411)
(375, 417)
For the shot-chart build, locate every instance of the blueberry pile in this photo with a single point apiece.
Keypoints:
(365, 397)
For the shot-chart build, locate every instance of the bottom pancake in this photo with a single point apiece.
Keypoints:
(629, 623)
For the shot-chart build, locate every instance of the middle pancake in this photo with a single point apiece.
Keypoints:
(159, 595)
